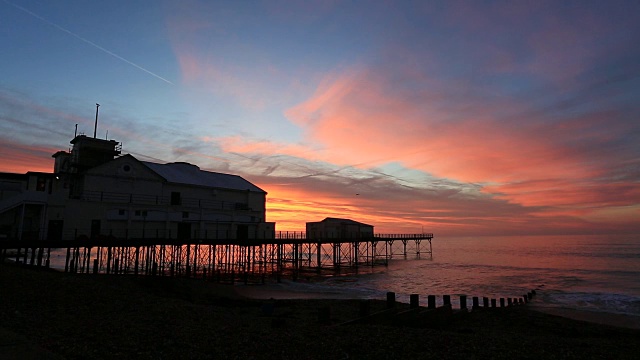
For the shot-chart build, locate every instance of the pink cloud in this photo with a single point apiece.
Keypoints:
(360, 120)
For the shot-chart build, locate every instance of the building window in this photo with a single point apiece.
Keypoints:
(185, 214)
(141, 212)
(41, 184)
(175, 198)
(122, 212)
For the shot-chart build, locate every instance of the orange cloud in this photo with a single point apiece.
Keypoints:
(21, 158)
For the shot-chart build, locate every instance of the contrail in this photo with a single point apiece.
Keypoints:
(87, 41)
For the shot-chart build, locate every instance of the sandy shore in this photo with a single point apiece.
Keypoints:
(45, 314)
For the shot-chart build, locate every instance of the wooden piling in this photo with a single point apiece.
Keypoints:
(485, 302)
(446, 300)
(391, 300)
(431, 302)
(414, 301)
(463, 301)
(501, 302)
(476, 303)
(66, 260)
(40, 251)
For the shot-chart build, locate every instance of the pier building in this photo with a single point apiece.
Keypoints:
(95, 191)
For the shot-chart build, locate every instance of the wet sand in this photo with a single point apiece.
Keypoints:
(56, 315)
(611, 319)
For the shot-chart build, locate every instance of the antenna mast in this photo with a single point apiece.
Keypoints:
(95, 127)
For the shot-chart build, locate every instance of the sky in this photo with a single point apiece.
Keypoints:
(459, 118)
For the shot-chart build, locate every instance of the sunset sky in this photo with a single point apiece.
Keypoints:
(451, 117)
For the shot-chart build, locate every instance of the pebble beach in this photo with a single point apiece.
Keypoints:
(47, 314)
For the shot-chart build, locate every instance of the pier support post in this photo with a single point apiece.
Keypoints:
(40, 251)
(446, 300)
(463, 301)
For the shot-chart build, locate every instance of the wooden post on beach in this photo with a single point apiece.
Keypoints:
(115, 266)
(493, 303)
(463, 301)
(509, 301)
(414, 301)
(391, 300)
(446, 300)
(501, 302)
(524, 297)
(95, 266)
(431, 302)
(485, 302)
(476, 303)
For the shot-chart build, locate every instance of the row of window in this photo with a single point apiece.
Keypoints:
(143, 213)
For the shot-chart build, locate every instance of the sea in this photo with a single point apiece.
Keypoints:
(592, 273)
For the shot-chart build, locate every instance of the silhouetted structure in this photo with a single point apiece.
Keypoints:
(93, 192)
(112, 213)
(333, 228)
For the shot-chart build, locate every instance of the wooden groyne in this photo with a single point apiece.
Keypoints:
(229, 260)
(424, 316)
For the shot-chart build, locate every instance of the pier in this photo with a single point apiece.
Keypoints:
(288, 254)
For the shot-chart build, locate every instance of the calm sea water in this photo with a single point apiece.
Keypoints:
(593, 273)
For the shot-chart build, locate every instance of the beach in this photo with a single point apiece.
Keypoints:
(48, 314)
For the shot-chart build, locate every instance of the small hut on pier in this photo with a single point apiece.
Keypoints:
(336, 228)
